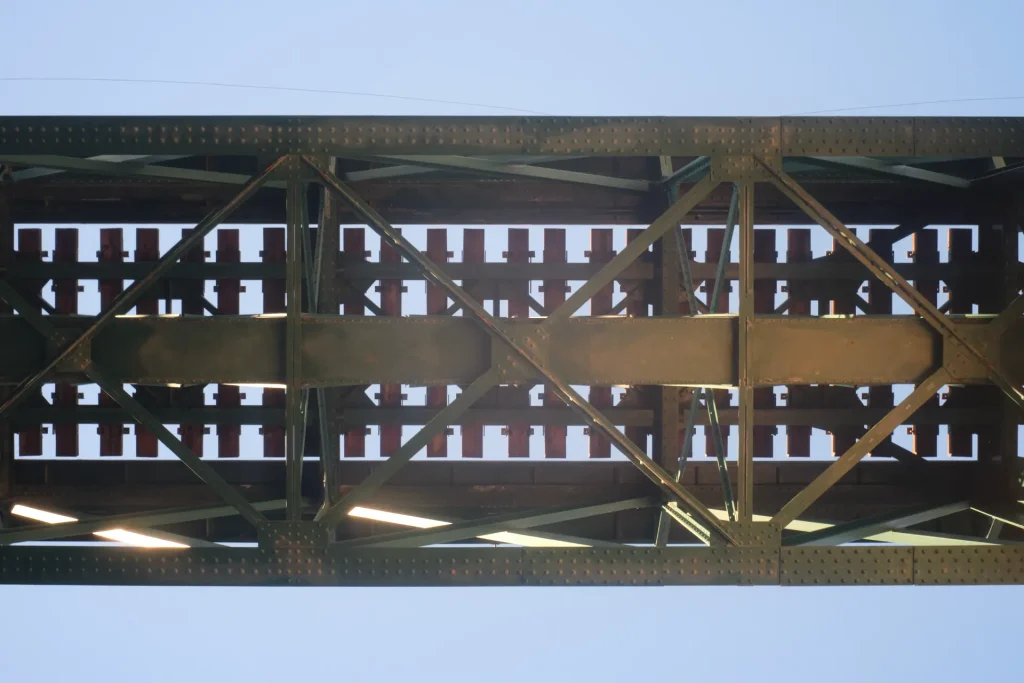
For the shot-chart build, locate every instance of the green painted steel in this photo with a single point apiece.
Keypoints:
(673, 566)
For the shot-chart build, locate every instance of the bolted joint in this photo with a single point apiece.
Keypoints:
(80, 358)
(303, 535)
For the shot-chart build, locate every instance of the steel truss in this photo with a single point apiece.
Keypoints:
(314, 353)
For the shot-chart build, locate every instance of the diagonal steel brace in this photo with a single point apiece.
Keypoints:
(883, 428)
(893, 280)
(129, 296)
(591, 415)
(410, 448)
(116, 391)
(661, 535)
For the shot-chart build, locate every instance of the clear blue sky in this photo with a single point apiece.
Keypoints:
(671, 58)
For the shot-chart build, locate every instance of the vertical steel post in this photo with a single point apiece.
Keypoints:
(1009, 436)
(328, 301)
(6, 259)
(746, 320)
(294, 433)
(667, 426)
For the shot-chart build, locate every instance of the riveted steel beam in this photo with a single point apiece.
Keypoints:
(391, 135)
(638, 566)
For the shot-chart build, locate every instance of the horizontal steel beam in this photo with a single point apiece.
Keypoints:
(819, 269)
(87, 199)
(338, 350)
(537, 415)
(639, 566)
(611, 136)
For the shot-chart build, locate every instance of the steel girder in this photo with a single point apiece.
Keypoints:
(740, 151)
(676, 566)
(637, 136)
(692, 351)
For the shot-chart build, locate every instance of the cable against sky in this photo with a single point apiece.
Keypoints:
(409, 98)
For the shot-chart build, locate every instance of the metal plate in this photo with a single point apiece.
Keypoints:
(652, 136)
(848, 136)
(651, 567)
(972, 565)
(759, 534)
(85, 136)
(734, 168)
(282, 535)
(969, 136)
(817, 136)
(236, 566)
(847, 566)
